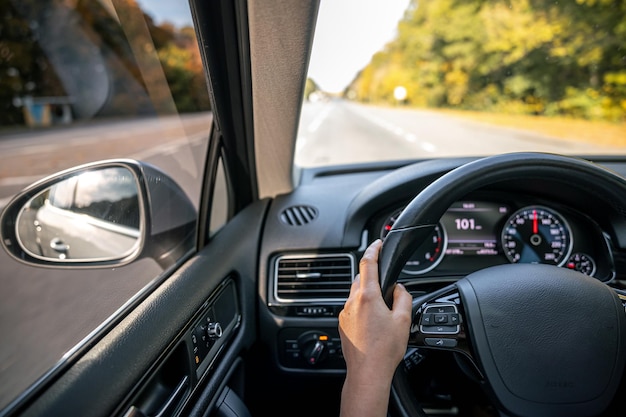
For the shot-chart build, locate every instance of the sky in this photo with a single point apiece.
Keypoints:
(347, 34)
(173, 11)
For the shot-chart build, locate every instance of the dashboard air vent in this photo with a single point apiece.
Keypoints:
(313, 278)
(298, 215)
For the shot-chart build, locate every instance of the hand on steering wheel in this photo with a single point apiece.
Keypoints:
(547, 341)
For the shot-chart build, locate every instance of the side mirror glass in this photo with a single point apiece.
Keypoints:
(100, 215)
(92, 216)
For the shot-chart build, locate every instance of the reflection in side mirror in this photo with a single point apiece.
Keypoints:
(92, 216)
(100, 215)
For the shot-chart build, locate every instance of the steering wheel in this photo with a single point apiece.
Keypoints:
(546, 341)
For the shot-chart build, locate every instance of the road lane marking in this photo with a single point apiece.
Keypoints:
(428, 147)
(319, 119)
(35, 149)
(397, 130)
(300, 143)
(21, 180)
(172, 147)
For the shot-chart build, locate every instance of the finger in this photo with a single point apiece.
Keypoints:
(402, 300)
(368, 266)
(356, 282)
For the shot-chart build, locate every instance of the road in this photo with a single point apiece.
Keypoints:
(338, 132)
(26, 156)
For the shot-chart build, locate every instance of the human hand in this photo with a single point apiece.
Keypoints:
(373, 339)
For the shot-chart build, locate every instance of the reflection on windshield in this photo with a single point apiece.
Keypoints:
(475, 78)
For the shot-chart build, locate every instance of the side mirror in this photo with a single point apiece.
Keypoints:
(102, 214)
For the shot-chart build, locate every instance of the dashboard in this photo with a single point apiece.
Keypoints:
(314, 237)
(477, 233)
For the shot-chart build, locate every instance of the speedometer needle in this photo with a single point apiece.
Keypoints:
(535, 227)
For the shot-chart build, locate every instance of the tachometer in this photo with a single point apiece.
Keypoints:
(428, 255)
(537, 234)
(582, 262)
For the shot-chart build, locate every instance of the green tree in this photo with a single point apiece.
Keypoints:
(523, 56)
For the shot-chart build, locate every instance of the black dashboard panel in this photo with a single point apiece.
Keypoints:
(574, 229)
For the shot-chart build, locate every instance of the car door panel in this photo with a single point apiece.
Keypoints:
(107, 373)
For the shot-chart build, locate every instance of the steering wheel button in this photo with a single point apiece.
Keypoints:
(440, 309)
(440, 342)
(427, 319)
(441, 318)
(440, 329)
(453, 318)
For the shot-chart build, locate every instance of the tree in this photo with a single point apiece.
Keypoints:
(523, 56)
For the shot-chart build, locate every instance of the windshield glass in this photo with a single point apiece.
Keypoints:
(433, 78)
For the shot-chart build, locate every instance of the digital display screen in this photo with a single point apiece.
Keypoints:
(473, 227)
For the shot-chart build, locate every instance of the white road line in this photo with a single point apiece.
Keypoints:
(172, 147)
(319, 119)
(35, 149)
(20, 180)
(398, 131)
(300, 143)
(428, 147)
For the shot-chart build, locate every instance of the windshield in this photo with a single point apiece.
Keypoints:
(432, 78)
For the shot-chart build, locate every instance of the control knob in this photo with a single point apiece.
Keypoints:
(314, 347)
(214, 330)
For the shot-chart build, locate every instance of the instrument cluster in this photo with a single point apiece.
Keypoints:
(475, 234)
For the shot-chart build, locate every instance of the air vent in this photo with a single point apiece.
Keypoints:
(298, 215)
(313, 278)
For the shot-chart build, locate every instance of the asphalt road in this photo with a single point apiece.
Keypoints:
(29, 155)
(337, 132)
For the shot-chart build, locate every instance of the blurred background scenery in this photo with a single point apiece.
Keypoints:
(535, 57)
(553, 68)
(47, 79)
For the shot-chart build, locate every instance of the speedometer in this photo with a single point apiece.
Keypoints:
(537, 234)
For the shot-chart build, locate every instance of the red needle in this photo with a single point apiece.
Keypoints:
(535, 227)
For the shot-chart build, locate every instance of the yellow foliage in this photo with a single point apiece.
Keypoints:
(515, 29)
(618, 78)
(457, 86)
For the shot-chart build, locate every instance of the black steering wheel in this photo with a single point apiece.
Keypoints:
(546, 341)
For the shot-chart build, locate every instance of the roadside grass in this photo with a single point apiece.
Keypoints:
(591, 131)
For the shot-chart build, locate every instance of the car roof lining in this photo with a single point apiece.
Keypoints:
(278, 79)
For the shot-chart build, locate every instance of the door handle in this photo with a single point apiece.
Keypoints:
(173, 399)
(57, 245)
